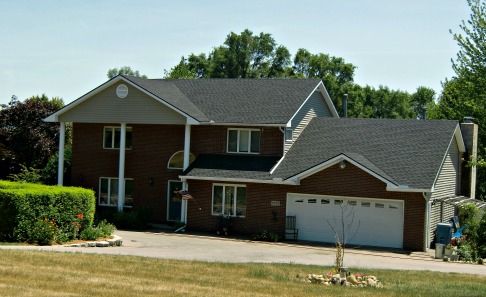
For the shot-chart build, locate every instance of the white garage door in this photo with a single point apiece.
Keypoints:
(376, 222)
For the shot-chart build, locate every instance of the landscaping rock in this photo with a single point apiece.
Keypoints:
(102, 244)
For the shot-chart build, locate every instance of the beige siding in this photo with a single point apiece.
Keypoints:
(314, 107)
(447, 184)
(136, 108)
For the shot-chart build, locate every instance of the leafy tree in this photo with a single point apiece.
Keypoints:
(125, 70)
(423, 98)
(25, 138)
(243, 55)
(465, 94)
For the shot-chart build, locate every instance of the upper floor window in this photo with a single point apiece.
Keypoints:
(244, 141)
(177, 160)
(111, 138)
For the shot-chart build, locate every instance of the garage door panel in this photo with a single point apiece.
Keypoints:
(379, 222)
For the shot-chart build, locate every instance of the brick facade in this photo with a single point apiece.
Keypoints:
(350, 182)
(153, 145)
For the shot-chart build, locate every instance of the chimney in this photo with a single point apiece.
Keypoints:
(345, 105)
(469, 131)
(424, 113)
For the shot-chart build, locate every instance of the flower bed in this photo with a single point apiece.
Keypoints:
(351, 280)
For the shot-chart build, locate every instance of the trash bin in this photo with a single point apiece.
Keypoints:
(443, 233)
(439, 250)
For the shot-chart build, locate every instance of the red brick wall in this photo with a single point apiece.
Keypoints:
(212, 139)
(152, 147)
(350, 181)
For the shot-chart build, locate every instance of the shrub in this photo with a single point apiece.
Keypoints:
(466, 252)
(136, 219)
(22, 204)
(265, 235)
(43, 232)
(104, 229)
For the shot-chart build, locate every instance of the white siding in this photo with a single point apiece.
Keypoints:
(136, 108)
(314, 107)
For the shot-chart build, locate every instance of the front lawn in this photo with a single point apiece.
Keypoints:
(33, 273)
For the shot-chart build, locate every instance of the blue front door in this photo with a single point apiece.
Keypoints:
(174, 201)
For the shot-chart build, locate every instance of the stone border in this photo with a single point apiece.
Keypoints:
(115, 241)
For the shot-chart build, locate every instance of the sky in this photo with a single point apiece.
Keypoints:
(65, 48)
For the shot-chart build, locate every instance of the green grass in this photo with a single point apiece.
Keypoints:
(34, 273)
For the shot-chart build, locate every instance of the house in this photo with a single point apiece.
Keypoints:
(256, 151)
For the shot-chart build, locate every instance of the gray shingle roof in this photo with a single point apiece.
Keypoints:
(245, 101)
(232, 166)
(406, 152)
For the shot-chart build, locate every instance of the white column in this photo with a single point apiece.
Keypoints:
(187, 148)
(121, 168)
(60, 164)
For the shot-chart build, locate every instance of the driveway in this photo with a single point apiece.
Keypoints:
(167, 245)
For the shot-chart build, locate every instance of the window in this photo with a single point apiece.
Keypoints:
(229, 200)
(288, 134)
(352, 202)
(312, 201)
(325, 201)
(244, 141)
(108, 193)
(111, 138)
(338, 202)
(379, 205)
(177, 160)
(365, 204)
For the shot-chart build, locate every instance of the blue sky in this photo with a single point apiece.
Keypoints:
(65, 48)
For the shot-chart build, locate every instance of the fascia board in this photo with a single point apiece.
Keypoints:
(405, 189)
(239, 180)
(329, 102)
(55, 116)
(243, 124)
(460, 145)
(327, 99)
(335, 160)
(460, 140)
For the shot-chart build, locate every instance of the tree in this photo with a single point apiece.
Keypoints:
(423, 98)
(243, 55)
(125, 70)
(24, 137)
(465, 94)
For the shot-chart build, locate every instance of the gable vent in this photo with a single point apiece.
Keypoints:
(122, 91)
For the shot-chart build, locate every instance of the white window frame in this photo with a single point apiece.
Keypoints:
(109, 191)
(238, 141)
(289, 135)
(236, 186)
(113, 129)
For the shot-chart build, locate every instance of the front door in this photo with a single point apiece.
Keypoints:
(174, 201)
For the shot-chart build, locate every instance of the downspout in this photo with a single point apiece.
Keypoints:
(427, 197)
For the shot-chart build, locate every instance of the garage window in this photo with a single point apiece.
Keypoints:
(324, 201)
(365, 204)
(379, 205)
(229, 200)
(338, 202)
(312, 201)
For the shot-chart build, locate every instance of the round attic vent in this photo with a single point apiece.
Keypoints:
(122, 91)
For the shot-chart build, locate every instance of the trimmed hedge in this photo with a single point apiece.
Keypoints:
(39, 213)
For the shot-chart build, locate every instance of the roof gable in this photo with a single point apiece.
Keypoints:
(221, 101)
(405, 153)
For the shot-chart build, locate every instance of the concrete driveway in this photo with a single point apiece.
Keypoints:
(169, 245)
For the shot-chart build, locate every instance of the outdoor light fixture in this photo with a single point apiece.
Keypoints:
(342, 164)
(151, 181)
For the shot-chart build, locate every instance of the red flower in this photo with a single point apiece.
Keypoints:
(80, 216)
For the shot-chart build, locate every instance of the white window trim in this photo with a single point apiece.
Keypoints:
(113, 137)
(222, 202)
(109, 190)
(238, 141)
